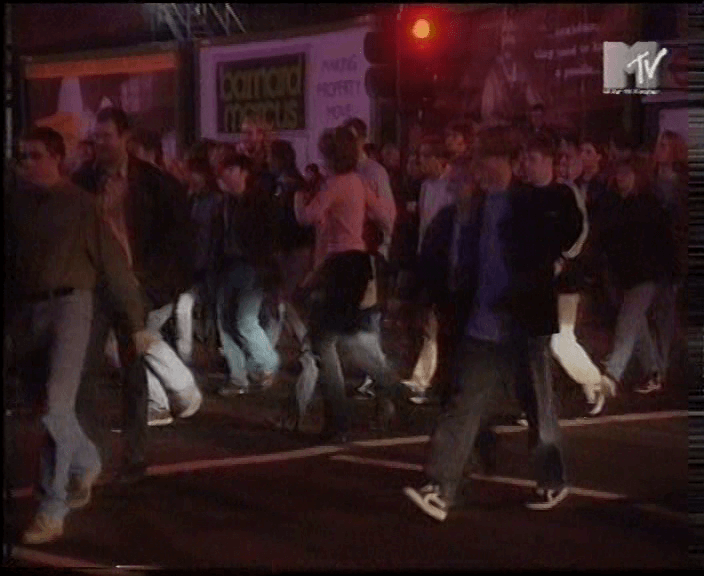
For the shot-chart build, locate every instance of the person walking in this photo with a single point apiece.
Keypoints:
(61, 248)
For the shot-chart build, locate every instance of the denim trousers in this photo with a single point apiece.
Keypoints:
(63, 325)
(247, 346)
(665, 316)
(166, 371)
(360, 348)
(482, 371)
(633, 335)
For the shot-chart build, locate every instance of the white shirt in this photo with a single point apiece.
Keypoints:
(434, 196)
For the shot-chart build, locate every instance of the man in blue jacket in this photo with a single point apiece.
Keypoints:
(502, 269)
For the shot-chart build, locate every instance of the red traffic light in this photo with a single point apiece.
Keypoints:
(421, 28)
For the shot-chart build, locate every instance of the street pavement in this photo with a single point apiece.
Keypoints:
(225, 490)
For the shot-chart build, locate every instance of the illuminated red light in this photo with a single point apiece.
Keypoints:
(421, 28)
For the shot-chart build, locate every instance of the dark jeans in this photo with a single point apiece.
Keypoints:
(133, 374)
(482, 371)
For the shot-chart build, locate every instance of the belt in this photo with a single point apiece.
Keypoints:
(49, 294)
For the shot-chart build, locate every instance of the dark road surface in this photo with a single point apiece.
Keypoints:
(224, 490)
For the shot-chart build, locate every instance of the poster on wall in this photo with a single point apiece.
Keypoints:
(514, 57)
(303, 85)
(66, 94)
(273, 88)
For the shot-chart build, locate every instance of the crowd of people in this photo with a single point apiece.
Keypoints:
(497, 235)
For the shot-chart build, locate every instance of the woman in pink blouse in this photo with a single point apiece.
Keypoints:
(342, 274)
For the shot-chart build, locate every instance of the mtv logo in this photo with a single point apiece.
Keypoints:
(643, 60)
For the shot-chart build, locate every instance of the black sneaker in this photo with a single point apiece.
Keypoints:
(430, 500)
(547, 498)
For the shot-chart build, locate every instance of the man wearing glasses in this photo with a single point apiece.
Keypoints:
(59, 250)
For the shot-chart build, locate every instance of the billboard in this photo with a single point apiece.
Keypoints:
(271, 87)
(304, 84)
(66, 93)
(510, 58)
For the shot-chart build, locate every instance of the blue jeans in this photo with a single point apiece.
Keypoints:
(633, 334)
(246, 345)
(64, 325)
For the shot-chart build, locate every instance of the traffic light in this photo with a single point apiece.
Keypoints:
(380, 52)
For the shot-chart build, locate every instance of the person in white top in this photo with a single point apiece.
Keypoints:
(434, 196)
(564, 345)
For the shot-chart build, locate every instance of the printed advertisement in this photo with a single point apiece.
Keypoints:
(67, 95)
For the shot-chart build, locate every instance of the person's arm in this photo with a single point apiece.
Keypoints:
(308, 213)
(109, 259)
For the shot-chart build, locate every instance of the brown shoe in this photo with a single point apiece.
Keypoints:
(44, 529)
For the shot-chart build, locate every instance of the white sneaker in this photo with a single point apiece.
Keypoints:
(159, 417)
(429, 500)
(547, 498)
(188, 402)
(598, 404)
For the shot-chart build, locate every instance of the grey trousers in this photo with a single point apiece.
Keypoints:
(633, 334)
(484, 370)
(63, 325)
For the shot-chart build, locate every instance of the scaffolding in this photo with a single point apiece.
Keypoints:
(193, 21)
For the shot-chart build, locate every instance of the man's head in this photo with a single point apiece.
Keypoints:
(236, 169)
(359, 128)
(540, 157)
(537, 116)
(42, 151)
(592, 155)
(459, 137)
(255, 130)
(146, 145)
(433, 157)
(339, 148)
(111, 136)
(496, 149)
(508, 38)
(568, 163)
(625, 176)
(391, 156)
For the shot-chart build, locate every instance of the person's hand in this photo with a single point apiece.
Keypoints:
(144, 340)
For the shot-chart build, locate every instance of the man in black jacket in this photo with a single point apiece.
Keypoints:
(149, 216)
(503, 266)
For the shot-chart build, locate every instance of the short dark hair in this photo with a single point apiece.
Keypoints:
(498, 141)
(465, 128)
(313, 167)
(151, 142)
(539, 106)
(570, 138)
(239, 160)
(437, 147)
(358, 126)
(596, 141)
(542, 143)
(115, 115)
(283, 153)
(339, 148)
(52, 140)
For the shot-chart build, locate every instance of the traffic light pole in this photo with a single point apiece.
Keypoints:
(398, 75)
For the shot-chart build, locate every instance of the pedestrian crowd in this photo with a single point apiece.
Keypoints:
(497, 235)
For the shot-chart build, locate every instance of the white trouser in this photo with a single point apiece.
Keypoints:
(427, 362)
(166, 371)
(568, 352)
(184, 322)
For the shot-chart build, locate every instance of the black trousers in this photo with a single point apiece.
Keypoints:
(133, 376)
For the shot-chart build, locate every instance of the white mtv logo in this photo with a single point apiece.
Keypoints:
(620, 60)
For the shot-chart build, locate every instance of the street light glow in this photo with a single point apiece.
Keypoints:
(421, 29)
